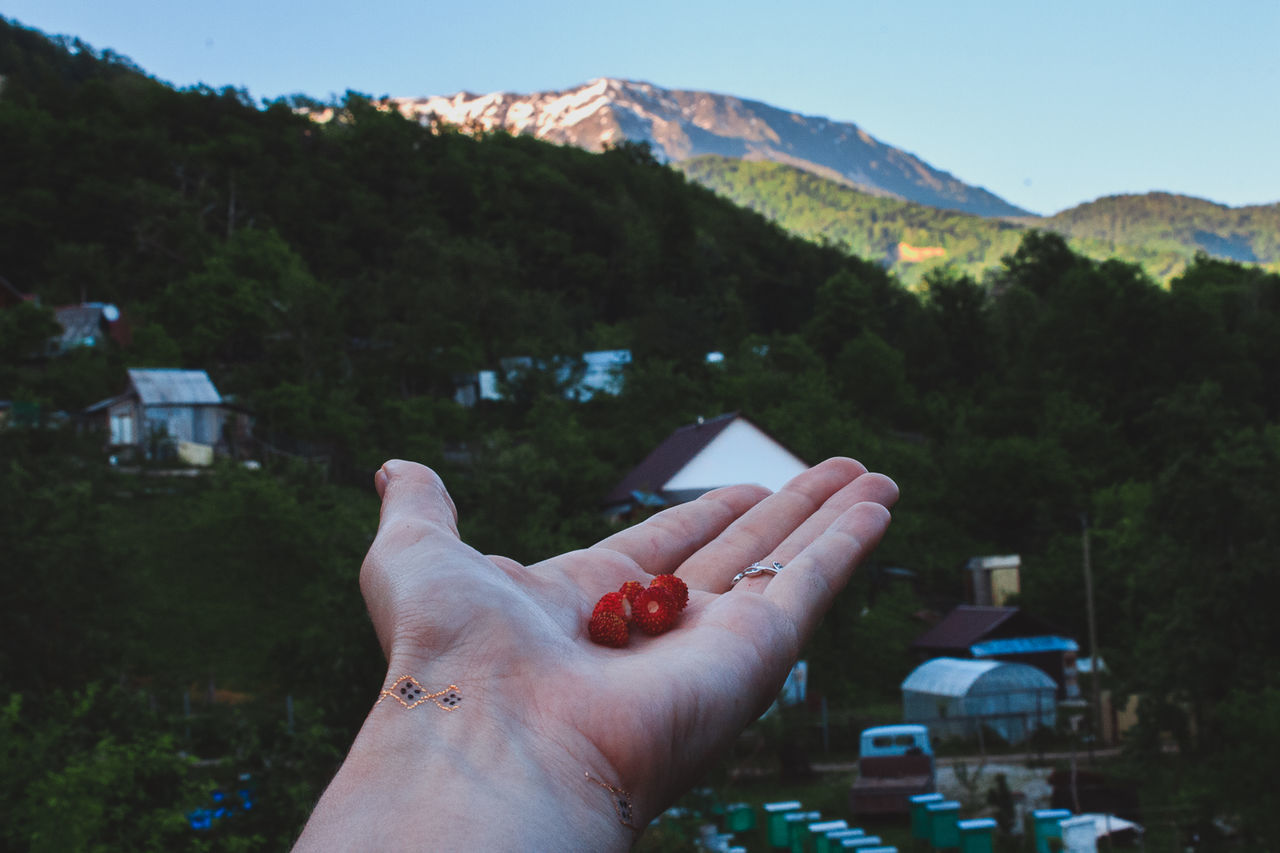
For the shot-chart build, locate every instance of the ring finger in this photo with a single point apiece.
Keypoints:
(868, 488)
(761, 529)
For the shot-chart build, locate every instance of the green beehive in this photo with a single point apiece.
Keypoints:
(942, 824)
(816, 841)
(920, 814)
(1046, 826)
(776, 814)
(798, 829)
(830, 842)
(976, 836)
(739, 817)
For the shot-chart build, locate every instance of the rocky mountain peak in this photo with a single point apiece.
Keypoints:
(681, 124)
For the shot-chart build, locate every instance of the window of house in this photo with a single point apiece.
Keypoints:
(122, 429)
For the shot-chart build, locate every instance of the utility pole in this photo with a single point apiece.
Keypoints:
(1093, 627)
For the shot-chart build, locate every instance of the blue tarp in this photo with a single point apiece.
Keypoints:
(1023, 646)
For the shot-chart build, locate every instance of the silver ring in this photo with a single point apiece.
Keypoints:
(755, 569)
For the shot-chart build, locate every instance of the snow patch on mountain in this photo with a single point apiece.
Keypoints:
(680, 124)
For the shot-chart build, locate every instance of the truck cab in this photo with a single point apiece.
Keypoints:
(894, 740)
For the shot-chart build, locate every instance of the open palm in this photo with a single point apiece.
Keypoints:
(649, 716)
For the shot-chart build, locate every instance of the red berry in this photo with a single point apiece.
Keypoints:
(608, 629)
(674, 587)
(613, 602)
(630, 590)
(654, 611)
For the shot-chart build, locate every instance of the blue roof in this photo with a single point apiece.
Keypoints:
(1023, 646)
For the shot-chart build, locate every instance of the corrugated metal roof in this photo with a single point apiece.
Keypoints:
(1023, 646)
(959, 677)
(170, 386)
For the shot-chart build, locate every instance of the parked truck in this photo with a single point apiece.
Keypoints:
(894, 764)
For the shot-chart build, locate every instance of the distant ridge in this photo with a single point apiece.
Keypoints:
(681, 124)
(1248, 234)
(1160, 231)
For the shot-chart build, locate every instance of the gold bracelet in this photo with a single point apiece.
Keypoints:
(410, 693)
(621, 803)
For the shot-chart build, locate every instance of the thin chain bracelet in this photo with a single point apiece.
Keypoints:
(410, 693)
(621, 803)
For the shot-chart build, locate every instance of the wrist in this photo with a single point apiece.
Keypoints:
(455, 771)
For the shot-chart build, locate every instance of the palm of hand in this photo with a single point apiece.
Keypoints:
(514, 637)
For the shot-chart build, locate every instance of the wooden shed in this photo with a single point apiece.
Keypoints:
(180, 408)
(1006, 634)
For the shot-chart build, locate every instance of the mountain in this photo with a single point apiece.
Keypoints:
(1159, 231)
(681, 124)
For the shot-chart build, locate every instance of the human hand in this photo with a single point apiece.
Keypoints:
(541, 707)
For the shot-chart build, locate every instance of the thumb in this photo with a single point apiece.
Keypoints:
(412, 494)
(417, 512)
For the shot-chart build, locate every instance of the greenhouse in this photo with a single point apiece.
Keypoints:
(953, 697)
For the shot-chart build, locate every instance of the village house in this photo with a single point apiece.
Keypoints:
(89, 324)
(168, 411)
(581, 378)
(699, 457)
(1008, 634)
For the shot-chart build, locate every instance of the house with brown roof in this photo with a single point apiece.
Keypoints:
(1003, 634)
(701, 456)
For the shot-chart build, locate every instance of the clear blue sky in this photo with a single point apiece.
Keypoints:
(1046, 104)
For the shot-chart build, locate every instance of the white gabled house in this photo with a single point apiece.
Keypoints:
(693, 460)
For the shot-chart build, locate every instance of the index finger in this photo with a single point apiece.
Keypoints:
(663, 542)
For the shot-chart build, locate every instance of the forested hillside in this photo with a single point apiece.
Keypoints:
(1178, 224)
(335, 278)
(1160, 232)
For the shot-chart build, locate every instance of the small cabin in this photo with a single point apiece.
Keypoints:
(171, 408)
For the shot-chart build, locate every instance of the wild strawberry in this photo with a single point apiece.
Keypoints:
(613, 602)
(608, 628)
(629, 591)
(654, 612)
(676, 588)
